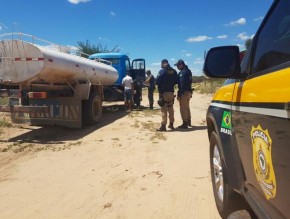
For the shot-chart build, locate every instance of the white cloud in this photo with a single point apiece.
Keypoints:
(156, 64)
(241, 21)
(66, 48)
(243, 36)
(198, 61)
(222, 36)
(198, 39)
(182, 27)
(197, 72)
(2, 26)
(113, 14)
(259, 18)
(100, 38)
(242, 47)
(78, 1)
(185, 53)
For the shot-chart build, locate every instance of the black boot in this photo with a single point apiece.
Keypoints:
(184, 125)
(189, 122)
(162, 128)
(151, 106)
(170, 126)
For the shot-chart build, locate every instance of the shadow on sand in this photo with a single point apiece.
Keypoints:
(58, 134)
(191, 129)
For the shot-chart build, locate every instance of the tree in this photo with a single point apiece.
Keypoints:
(86, 48)
(248, 43)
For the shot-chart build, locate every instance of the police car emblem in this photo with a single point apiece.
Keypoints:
(262, 159)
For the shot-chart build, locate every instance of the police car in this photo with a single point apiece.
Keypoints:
(248, 121)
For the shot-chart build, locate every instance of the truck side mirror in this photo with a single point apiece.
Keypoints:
(223, 62)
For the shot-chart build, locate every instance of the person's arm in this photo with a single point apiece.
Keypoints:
(182, 81)
(147, 81)
(189, 80)
(176, 77)
(132, 85)
(159, 81)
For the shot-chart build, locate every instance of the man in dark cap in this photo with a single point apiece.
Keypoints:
(166, 80)
(184, 92)
(150, 82)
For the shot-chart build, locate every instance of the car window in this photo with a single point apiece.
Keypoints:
(273, 42)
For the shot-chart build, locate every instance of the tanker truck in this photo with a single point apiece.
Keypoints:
(46, 86)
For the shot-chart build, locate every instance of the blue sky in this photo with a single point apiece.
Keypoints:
(150, 29)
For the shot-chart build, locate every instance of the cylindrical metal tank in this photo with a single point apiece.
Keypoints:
(22, 62)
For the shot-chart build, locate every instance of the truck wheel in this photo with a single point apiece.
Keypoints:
(92, 109)
(227, 200)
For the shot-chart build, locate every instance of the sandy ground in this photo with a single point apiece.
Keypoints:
(120, 168)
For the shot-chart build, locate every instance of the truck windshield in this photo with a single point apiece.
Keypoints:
(114, 61)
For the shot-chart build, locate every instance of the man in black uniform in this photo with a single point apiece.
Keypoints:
(150, 82)
(166, 80)
(137, 94)
(184, 93)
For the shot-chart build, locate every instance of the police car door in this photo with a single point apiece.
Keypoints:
(261, 114)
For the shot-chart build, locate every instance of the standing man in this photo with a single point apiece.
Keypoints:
(184, 93)
(137, 96)
(127, 83)
(166, 80)
(150, 81)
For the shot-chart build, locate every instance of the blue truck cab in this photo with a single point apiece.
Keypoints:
(122, 64)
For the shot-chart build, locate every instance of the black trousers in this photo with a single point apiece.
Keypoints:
(150, 97)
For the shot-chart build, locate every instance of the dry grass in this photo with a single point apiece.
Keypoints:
(28, 144)
(149, 125)
(5, 120)
(4, 101)
(208, 87)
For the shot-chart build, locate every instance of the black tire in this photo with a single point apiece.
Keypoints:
(92, 109)
(227, 200)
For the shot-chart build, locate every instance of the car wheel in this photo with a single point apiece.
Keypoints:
(227, 200)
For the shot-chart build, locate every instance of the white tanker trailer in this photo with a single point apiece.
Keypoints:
(53, 87)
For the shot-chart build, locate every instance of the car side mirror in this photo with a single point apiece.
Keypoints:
(223, 62)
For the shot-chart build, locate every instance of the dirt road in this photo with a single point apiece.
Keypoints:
(120, 168)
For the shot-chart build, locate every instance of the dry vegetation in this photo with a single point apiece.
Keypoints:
(208, 86)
